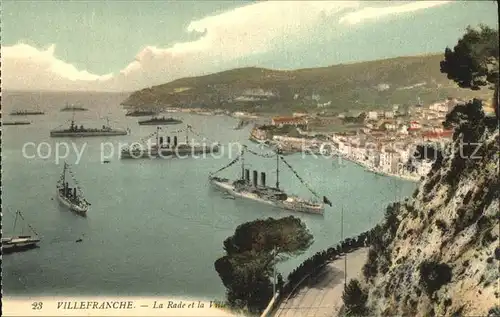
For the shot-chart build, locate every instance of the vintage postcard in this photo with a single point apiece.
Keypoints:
(250, 158)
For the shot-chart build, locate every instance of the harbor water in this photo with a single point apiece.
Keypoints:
(155, 226)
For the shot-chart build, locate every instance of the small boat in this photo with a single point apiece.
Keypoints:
(72, 198)
(275, 196)
(80, 131)
(160, 121)
(16, 123)
(140, 113)
(21, 242)
(73, 108)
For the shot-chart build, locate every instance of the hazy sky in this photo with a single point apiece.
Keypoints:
(129, 45)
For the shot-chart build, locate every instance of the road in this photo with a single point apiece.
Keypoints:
(322, 295)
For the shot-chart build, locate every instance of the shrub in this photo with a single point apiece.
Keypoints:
(355, 299)
(434, 275)
(441, 225)
(494, 312)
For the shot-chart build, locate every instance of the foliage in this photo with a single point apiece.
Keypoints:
(434, 275)
(473, 62)
(494, 311)
(471, 112)
(354, 299)
(250, 254)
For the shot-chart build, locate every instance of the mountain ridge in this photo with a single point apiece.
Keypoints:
(347, 86)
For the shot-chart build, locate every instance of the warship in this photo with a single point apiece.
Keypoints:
(80, 131)
(27, 113)
(140, 113)
(16, 123)
(275, 196)
(73, 108)
(160, 121)
(166, 147)
(19, 243)
(71, 198)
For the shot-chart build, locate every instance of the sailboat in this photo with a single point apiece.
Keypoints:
(71, 198)
(245, 188)
(22, 242)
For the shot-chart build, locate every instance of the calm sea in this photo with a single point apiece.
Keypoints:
(155, 227)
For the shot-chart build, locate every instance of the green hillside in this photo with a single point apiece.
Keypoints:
(358, 86)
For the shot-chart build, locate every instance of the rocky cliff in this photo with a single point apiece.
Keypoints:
(438, 252)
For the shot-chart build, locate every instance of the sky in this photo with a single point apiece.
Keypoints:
(130, 45)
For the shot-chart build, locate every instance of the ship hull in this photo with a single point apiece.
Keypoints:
(75, 109)
(139, 114)
(68, 204)
(16, 123)
(28, 114)
(82, 134)
(170, 152)
(230, 189)
(159, 123)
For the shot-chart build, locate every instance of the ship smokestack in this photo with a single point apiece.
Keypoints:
(168, 140)
(255, 176)
(247, 175)
(263, 179)
(161, 140)
(74, 192)
(175, 141)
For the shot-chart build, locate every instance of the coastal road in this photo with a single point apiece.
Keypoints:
(322, 295)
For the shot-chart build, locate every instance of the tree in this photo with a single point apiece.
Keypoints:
(473, 62)
(354, 299)
(252, 251)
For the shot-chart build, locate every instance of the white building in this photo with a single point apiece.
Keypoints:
(388, 114)
(372, 115)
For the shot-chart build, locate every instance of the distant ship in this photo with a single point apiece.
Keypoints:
(140, 113)
(274, 196)
(73, 108)
(19, 243)
(160, 121)
(72, 198)
(81, 131)
(27, 113)
(16, 123)
(168, 147)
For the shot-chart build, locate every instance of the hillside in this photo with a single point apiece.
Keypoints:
(437, 254)
(357, 86)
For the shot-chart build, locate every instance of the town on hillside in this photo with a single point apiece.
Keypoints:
(384, 142)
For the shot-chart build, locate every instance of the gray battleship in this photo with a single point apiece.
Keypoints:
(73, 108)
(275, 196)
(81, 131)
(168, 147)
(16, 123)
(160, 121)
(27, 113)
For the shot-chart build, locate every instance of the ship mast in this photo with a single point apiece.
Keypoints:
(242, 164)
(277, 168)
(158, 137)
